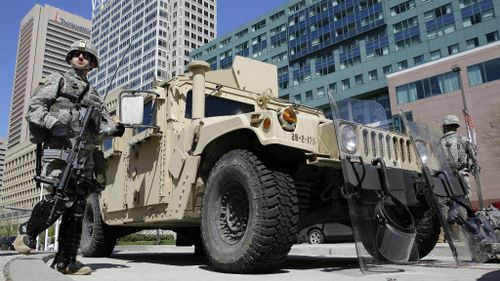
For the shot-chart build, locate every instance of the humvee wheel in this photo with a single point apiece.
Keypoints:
(428, 228)
(249, 214)
(97, 239)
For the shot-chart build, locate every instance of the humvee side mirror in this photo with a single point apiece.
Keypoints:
(131, 108)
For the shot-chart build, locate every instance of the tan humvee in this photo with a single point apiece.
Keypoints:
(223, 161)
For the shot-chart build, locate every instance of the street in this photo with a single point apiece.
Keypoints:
(303, 263)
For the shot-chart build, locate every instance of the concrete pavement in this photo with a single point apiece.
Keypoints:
(17, 267)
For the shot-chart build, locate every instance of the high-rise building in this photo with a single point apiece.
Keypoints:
(142, 40)
(3, 150)
(347, 47)
(45, 36)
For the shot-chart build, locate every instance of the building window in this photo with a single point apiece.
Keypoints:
(297, 98)
(405, 24)
(438, 12)
(358, 79)
(309, 95)
(484, 72)
(435, 54)
(492, 37)
(468, 3)
(346, 85)
(387, 70)
(407, 42)
(418, 60)
(453, 49)
(403, 7)
(435, 85)
(402, 65)
(332, 88)
(320, 92)
(372, 75)
(472, 43)
(478, 17)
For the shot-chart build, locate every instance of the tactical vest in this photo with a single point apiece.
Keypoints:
(70, 91)
(454, 147)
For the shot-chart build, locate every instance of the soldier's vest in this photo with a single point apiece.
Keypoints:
(70, 91)
(454, 148)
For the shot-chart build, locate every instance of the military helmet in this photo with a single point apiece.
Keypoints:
(451, 120)
(83, 46)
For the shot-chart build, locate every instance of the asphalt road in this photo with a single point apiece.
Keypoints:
(305, 262)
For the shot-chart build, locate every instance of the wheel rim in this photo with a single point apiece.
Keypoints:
(232, 213)
(315, 237)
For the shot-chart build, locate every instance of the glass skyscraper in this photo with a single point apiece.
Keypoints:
(151, 38)
(347, 47)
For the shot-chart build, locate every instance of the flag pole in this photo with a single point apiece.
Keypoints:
(472, 138)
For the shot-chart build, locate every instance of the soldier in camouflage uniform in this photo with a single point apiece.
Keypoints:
(58, 105)
(461, 155)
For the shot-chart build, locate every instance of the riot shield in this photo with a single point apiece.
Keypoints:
(468, 237)
(383, 227)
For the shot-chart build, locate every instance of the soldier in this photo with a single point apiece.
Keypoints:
(57, 106)
(461, 153)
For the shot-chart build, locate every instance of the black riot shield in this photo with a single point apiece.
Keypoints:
(467, 236)
(383, 226)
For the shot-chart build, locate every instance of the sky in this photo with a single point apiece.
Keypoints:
(230, 15)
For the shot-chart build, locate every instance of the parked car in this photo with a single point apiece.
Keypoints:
(330, 232)
(6, 243)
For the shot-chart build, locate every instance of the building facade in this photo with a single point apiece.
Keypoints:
(3, 150)
(347, 47)
(143, 40)
(45, 36)
(430, 91)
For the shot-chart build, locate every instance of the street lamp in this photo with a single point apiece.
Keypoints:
(455, 68)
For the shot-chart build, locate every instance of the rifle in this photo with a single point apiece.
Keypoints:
(61, 183)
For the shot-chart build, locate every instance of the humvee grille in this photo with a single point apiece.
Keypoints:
(396, 150)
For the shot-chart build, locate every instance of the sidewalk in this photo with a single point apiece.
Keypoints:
(16, 267)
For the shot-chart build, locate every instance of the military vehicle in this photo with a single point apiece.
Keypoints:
(217, 157)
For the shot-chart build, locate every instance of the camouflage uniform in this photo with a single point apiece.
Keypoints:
(62, 100)
(460, 153)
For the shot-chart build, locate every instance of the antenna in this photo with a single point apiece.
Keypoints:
(116, 70)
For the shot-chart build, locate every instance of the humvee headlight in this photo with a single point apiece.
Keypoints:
(422, 151)
(349, 138)
(288, 118)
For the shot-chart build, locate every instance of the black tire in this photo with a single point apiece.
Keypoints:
(97, 237)
(249, 215)
(428, 228)
(315, 236)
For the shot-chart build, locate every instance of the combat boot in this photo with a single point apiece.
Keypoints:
(75, 268)
(24, 243)
(67, 264)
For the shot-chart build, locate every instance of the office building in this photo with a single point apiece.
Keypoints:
(45, 36)
(347, 47)
(3, 150)
(428, 92)
(143, 40)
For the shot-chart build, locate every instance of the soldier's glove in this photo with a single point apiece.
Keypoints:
(475, 169)
(119, 130)
(60, 135)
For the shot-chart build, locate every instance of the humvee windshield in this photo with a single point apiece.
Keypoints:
(217, 106)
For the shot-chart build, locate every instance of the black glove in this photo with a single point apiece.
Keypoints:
(119, 130)
(60, 135)
(475, 169)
